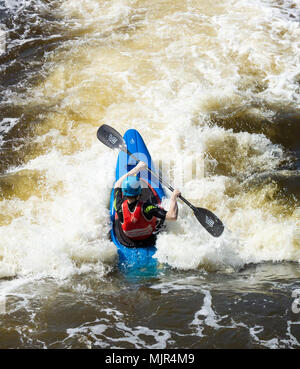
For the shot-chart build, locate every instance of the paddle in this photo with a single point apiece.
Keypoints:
(111, 138)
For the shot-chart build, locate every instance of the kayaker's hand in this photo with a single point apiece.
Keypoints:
(176, 193)
(172, 213)
(141, 166)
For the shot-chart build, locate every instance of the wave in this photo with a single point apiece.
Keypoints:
(205, 83)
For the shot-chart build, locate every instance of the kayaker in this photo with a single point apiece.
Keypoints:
(137, 222)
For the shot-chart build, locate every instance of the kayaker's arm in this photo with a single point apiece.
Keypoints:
(172, 213)
(141, 166)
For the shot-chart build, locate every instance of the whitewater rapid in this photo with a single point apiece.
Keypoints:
(175, 71)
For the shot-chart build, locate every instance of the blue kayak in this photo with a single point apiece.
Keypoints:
(136, 260)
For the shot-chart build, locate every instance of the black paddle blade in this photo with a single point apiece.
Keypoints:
(110, 137)
(209, 221)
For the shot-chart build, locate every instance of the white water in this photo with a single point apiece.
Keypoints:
(163, 68)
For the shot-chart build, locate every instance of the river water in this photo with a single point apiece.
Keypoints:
(209, 84)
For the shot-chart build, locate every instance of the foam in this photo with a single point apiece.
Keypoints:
(6, 125)
(210, 319)
(52, 236)
(92, 333)
(165, 73)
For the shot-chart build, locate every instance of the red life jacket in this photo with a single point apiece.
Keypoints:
(135, 225)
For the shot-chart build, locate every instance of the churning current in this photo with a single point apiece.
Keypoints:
(213, 88)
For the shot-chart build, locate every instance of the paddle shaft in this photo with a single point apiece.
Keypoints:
(161, 180)
(111, 138)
